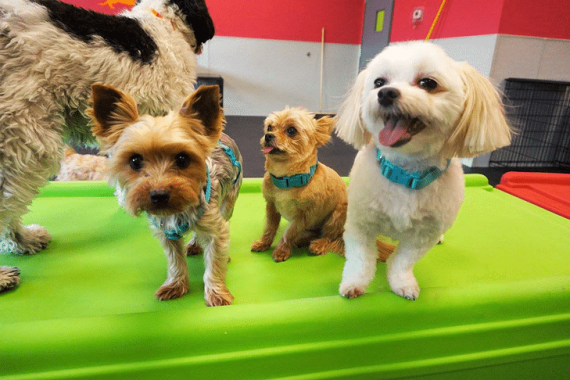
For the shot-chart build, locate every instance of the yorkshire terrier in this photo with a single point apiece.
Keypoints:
(50, 54)
(182, 171)
(309, 194)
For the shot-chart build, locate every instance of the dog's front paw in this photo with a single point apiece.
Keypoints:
(173, 289)
(32, 239)
(407, 288)
(351, 291)
(9, 278)
(260, 245)
(218, 297)
(281, 254)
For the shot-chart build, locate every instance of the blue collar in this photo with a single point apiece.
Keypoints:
(183, 225)
(297, 180)
(411, 180)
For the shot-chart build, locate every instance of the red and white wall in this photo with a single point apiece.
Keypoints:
(269, 52)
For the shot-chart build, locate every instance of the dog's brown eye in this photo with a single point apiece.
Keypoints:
(291, 131)
(428, 84)
(136, 162)
(182, 160)
(379, 82)
(269, 128)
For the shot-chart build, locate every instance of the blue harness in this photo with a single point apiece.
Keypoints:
(183, 225)
(297, 180)
(411, 180)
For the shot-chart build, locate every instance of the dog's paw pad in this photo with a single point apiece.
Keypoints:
(172, 290)
(280, 254)
(409, 292)
(319, 247)
(260, 246)
(351, 291)
(9, 278)
(33, 239)
(220, 297)
(193, 249)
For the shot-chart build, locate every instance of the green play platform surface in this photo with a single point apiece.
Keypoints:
(495, 301)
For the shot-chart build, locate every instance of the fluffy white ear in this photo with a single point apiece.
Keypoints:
(349, 125)
(483, 126)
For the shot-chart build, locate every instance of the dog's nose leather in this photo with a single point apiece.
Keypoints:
(386, 96)
(269, 137)
(159, 197)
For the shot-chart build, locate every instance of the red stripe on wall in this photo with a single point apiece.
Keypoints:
(459, 18)
(293, 20)
(103, 6)
(546, 18)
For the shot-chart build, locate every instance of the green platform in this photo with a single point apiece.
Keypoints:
(495, 301)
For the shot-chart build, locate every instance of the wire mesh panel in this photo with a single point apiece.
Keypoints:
(540, 112)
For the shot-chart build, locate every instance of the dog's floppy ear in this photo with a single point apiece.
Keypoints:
(483, 126)
(325, 127)
(111, 110)
(349, 125)
(204, 105)
(197, 15)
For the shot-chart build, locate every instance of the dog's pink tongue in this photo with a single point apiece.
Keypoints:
(392, 133)
(267, 149)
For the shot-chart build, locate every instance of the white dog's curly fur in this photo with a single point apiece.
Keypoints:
(420, 108)
(50, 54)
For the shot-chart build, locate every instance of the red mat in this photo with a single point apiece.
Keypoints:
(550, 191)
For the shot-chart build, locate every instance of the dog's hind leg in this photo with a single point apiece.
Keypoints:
(333, 228)
(31, 148)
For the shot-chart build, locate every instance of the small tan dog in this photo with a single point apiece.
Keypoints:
(182, 171)
(82, 167)
(309, 194)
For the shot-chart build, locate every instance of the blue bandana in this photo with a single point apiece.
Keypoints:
(411, 180)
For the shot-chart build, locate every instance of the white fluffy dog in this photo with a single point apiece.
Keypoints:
(412, 112)
(50, 54)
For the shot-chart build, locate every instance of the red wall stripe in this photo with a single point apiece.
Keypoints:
(293, 20)
(459, 18)
(546, 18)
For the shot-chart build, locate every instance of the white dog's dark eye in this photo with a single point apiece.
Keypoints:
(291, 131)
(428, 83)
(379, 82)
(269, 128)
(182, 160)
(136, 162)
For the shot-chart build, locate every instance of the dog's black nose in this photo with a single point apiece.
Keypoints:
(387, 95)
(159, 197)
(269, 137)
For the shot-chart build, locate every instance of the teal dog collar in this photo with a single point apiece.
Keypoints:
(411, 180)
(297, 180)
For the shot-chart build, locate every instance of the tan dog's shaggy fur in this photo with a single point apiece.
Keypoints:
(82, 167)
(161, 165)
(316, 211)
